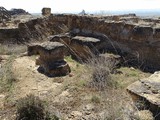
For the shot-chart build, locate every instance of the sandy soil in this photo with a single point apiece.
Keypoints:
(29, 80)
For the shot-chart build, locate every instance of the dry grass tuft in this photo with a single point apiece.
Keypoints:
(6, 74)
(33, 108)
(11, 49)
(100, 73)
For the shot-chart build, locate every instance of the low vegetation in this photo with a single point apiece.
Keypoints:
(101, 73)
(95, 99)
(10, 52)
(11, 49)
(33, 108)
(6, 74)
(93, 80)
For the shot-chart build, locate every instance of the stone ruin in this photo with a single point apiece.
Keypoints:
(51, 61)
(46, 11)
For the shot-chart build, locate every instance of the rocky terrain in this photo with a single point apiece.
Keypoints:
(84, 67)
(18, 12)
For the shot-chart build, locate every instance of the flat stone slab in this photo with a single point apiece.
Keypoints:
(45, 47)
(147, 89)
(86, 39)
(58, 36)
(51, 45)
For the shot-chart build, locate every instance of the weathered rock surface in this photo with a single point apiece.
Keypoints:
(84, 47)
(46, 11)
(114, 61)
(80, 47)
(143, 115)
(51, 58)
(147, 91)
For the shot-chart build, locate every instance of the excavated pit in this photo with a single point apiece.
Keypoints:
(133, 38)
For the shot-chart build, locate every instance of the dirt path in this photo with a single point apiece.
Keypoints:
(29, 80)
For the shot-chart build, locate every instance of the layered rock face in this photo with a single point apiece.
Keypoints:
(51, 58)
(136, 39)
(147, 92)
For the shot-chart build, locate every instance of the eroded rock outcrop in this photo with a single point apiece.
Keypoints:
(114, 61)
(136, 39)
(51, 60)
(80, 47)
(46, 11)
(147, 92)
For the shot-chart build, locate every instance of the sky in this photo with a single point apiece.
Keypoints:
(65, 6)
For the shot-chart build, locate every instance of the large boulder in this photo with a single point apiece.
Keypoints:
(114, 61)
(84, 47)
(46, 11)
(80, 47)
(51, 60)
(52, 51)
(147, 92)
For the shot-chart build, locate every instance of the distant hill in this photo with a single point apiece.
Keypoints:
(144, 13)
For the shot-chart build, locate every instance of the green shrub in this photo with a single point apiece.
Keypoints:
(32, 108)
(95, 99)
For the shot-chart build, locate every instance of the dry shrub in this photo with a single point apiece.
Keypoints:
(100, 73)
(32, 108)
(95, 99)
(7, 76)
(11, 49)
(101, 78)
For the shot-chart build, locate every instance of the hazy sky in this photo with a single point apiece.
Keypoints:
(35, 6)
